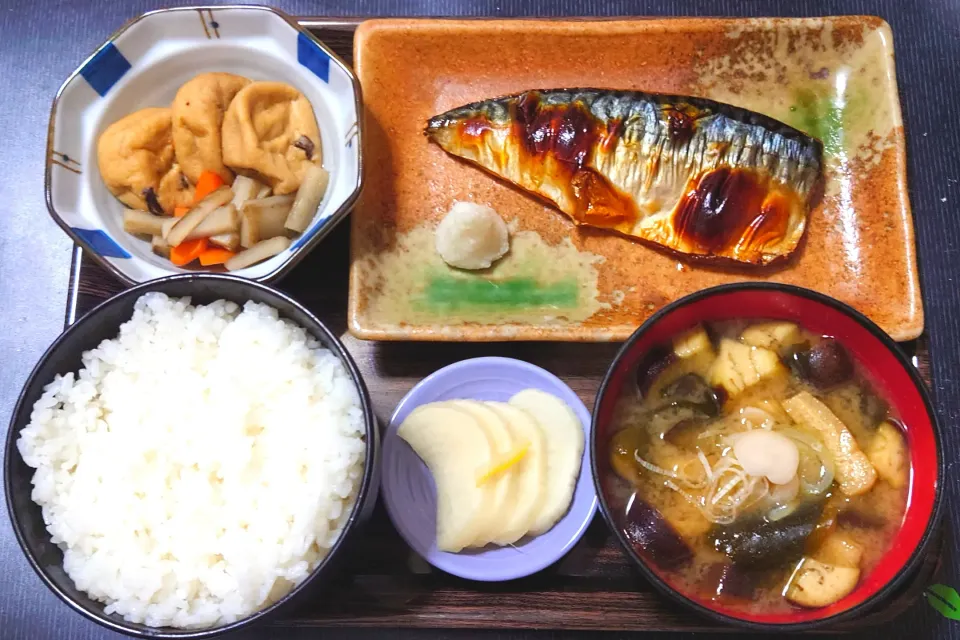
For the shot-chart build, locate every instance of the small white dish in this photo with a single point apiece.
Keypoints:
(142, 65)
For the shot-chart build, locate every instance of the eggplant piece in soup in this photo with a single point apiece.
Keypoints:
(756, 542)
(652, 536)
(757, 459)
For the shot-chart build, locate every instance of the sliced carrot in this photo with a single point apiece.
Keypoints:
(188, 251)
(179, 212)
(209, 182)
(215, 255)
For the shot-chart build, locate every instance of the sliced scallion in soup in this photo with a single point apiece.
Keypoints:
(759, 467)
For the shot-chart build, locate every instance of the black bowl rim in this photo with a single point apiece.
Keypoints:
(665, 588)
(170, 633)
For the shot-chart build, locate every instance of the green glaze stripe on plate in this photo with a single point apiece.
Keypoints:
(827, 117)
(820, 117)
(446, 293)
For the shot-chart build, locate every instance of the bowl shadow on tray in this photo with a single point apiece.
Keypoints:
(389, 579)
(576, 363)
(382, 594)
(319, 282)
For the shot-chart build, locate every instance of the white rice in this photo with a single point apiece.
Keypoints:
(200, 464)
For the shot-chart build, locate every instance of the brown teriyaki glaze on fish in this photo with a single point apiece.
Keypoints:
(698, 177)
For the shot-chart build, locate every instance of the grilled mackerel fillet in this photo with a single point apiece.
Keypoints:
(697, 177)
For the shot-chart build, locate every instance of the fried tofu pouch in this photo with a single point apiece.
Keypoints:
(137, 162)
(270, 134)
(198, 110)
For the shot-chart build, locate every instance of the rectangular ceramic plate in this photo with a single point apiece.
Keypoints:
(831, 77)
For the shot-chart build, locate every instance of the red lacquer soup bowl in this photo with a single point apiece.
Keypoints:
(880, 360)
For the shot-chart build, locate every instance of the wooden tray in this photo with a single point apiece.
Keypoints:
(594, 587)
(832, 77)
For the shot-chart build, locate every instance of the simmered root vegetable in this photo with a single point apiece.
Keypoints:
(746, 458)
(249, 229)
(188, 251)
(205, 207)
(160, 247)
(166, 227)
(220, 221)
(214, 255)
(257, 253)
(230, 218)
(272, 212)
(228, 241)
(264, 218)
(208, 183)
(309, 196)
(141, 223)
(244, 189)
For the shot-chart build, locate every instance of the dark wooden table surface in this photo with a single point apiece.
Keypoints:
(42, 42)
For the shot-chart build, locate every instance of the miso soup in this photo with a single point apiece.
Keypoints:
(759, 467)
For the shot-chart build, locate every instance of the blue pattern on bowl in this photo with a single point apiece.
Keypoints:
(143, 65)
(313, 57)
(105, 68)
(100, 242)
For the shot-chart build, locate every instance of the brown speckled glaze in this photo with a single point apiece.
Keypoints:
(832, 77)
